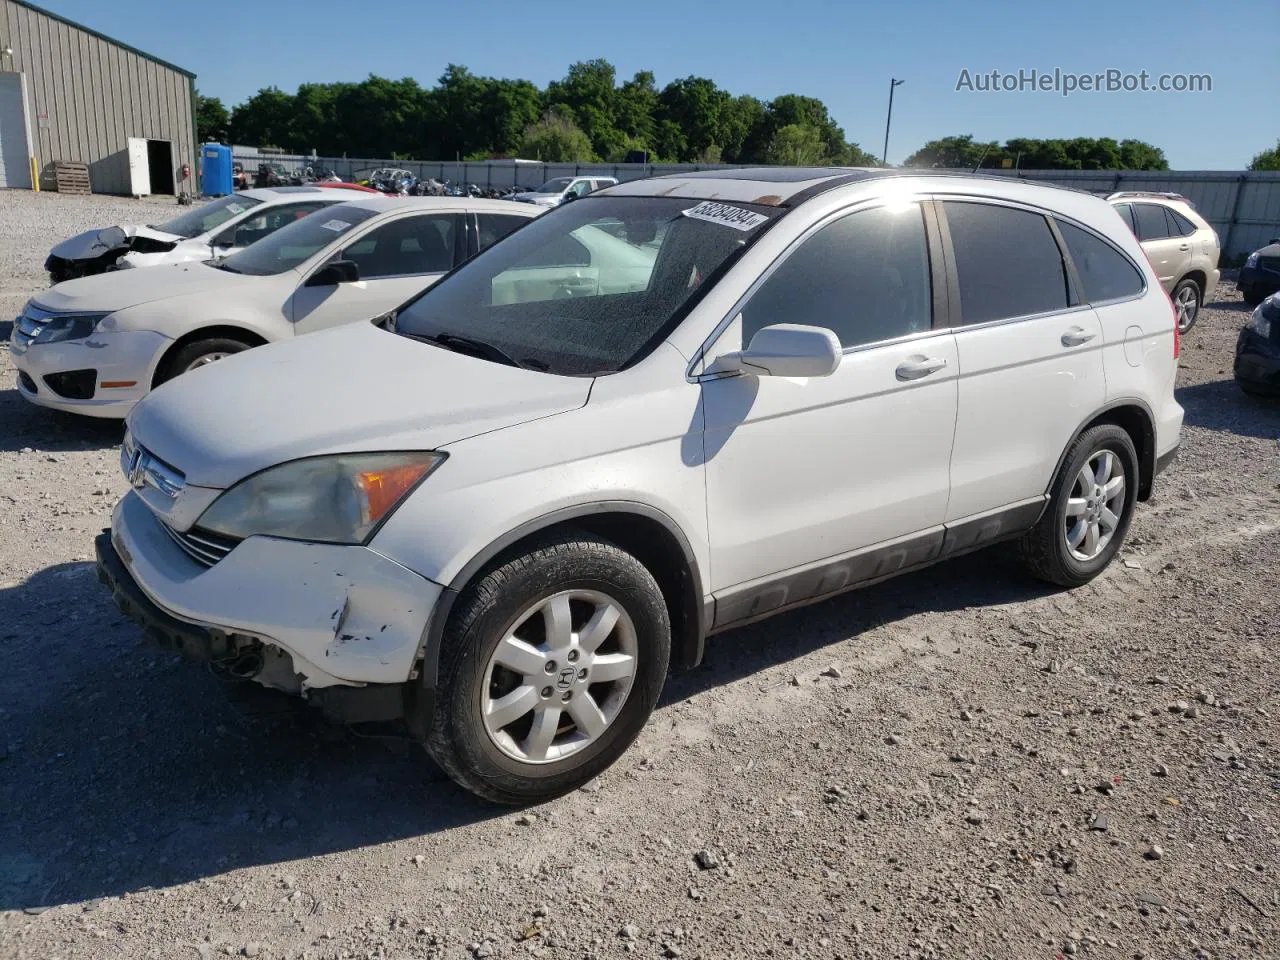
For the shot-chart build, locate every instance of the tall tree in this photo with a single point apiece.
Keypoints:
(213, 122)
(264, 120)
(556, 139)
(1267, 159)
(695, 107)
(798, 145)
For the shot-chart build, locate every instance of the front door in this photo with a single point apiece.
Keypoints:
(395, 260)
(801, 472)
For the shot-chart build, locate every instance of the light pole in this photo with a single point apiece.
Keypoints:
(884, 157)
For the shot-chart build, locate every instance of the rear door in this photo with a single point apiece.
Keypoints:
(1169, 253)
(1030, 355)
(396, 260)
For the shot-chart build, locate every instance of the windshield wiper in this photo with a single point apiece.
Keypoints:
(461, 344)
(222, 265)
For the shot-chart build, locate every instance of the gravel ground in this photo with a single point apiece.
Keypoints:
(960, 763)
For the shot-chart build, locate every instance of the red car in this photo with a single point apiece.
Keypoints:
(344, 186)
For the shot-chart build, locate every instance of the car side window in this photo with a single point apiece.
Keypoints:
(1126, 214)
(865, 277)
(405, 246)
(495, 226)
(1007, 262)
(1151, 222)
(1105, 273)
(581, 188)
(1180, 224)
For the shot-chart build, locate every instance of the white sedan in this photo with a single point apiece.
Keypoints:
(215, 229)
(97, 345)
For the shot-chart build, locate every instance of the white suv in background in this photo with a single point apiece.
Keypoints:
(498, 516)
(561, 189)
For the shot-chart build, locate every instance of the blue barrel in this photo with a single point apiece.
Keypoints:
(215, 170)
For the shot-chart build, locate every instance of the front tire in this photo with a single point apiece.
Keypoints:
(1187, 299)
(550, 665)
(197, 354)
(1089, 510)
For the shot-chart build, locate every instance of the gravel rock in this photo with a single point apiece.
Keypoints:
(706, 860)
(833, 671)
(1154, 852)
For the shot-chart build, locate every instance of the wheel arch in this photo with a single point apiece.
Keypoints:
(1201, 279)
(649, 534)
(231, 331)
(1136, 419)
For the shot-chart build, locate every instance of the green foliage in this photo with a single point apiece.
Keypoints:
(690, 120)
(797, 145)
(1267, 159)
(213, 122)
(556, 139)
(1080, 153)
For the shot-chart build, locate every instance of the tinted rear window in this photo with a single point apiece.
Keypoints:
(1151, 222)
(1105, 273)
(1007, 260)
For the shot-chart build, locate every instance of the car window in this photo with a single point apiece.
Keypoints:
(1126, 214)
(1179, 224)
(865, 277)
(1105, 273)
(405, 246)
(593, 286)
(495, 226)
(581, 188)
(267, 222)
(200, 220)
(1151, 222)
(295, 243)
(1007, 262)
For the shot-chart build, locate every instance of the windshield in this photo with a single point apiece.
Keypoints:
(590, 288)
(200, 220)
(557, 185)
(291, 246)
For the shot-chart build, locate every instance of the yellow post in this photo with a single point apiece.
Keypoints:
(35, 175)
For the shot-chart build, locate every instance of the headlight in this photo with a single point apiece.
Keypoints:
(59, 328)
(336, 499)
(1252, 260)
(1260, 322)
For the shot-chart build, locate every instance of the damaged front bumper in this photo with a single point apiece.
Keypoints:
(340, 625)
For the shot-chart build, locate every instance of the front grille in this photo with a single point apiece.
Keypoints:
(26, 383)
(204, 548)
(73, 384)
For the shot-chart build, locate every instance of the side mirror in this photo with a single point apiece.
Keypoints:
(1273, 240)
(786, 350)
(332, 274)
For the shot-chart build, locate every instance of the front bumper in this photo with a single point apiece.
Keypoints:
(1257, 365)
(1260, 281)
(342, 614)
(121, 356)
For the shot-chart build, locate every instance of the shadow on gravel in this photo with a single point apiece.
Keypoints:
(1222, 405)
(1235, 306)
(986, 578)
(27, 425)
(123, 768)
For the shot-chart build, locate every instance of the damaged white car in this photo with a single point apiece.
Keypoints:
(215, 229)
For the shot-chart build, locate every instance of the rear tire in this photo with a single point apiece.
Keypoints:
(513, 683)
(1251, 296)
(1187, 300)
(1062, 548)
(197, 354)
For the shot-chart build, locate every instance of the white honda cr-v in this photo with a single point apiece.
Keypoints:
(497, 515)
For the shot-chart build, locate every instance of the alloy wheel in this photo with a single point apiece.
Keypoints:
(1095, 506)
(559, 676)
(207, 358)
(1187, 304)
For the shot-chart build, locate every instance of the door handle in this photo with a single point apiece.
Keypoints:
(1076, 336)
(1184, 246)
(919, 367)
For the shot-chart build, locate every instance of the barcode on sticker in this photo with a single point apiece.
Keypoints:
(337, 226)
(726, 214)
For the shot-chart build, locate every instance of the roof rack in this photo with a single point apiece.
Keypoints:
(1168, 195)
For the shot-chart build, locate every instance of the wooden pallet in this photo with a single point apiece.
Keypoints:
(71, 177)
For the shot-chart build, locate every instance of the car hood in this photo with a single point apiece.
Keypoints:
(351, 389)
(541, 199)
(94, 243)
(108, 292)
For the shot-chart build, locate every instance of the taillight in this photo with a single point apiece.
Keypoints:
(1177, 334)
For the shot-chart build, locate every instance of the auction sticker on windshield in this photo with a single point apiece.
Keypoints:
(727, 215)
(234, 208)
(337, 226)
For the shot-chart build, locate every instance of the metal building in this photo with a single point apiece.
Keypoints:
(68, 93)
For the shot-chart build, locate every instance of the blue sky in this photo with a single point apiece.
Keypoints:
(839, 52)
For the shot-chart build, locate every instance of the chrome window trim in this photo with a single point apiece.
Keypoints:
(867, 203)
